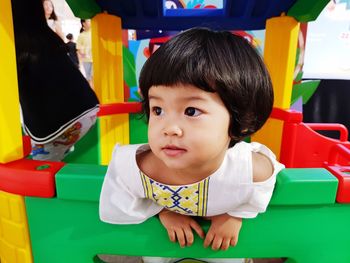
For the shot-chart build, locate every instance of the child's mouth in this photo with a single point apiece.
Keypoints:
(173, 151)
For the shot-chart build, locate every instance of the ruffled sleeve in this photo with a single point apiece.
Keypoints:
(257, 195)
(121, 199)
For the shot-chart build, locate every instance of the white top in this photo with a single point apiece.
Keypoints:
(53, 24)
(130, 197)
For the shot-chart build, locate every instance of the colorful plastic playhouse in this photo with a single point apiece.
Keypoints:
(49, 211)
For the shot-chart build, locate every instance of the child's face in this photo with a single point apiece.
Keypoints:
(188, 128)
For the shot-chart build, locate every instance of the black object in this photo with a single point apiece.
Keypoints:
(52, 90)
(329, 104)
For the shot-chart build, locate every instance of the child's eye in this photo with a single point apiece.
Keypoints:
(157, 111)
(191, 111)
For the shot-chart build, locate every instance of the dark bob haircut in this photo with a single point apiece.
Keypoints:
(214, 61)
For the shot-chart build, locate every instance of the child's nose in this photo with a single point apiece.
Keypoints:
(172, 129)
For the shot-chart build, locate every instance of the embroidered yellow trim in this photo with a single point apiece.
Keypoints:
(184, 199)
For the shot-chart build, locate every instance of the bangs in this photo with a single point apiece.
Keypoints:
(187, 72)
(180, 63)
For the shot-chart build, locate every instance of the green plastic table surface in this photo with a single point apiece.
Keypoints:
(302, 223)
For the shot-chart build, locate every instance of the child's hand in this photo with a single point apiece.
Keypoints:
(223, 232)
(180, 227)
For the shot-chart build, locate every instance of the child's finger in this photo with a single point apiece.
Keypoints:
(188, 236)
(225, 243)
(180, 237)
(234, 241)
(216, 243)
(208, 239)
(171, 234)
(197, 228)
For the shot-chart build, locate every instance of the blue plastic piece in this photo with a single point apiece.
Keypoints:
(235, 15)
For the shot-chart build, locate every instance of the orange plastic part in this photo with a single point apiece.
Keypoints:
(119, 108)
(27, 146)
(29, 178)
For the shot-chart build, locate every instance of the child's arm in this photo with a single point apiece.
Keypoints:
(223, 232)
(262, 167)
(224, 229)
(180, 227)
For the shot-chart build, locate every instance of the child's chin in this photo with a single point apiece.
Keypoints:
(176, 164)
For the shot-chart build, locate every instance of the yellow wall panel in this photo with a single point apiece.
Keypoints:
(14, 235)
(10, 128)
(16, 209)
(108, 80)
(7, 252)
(114, 130)
(5, 207)
(281, 40)
(107, 58)
(24, 255)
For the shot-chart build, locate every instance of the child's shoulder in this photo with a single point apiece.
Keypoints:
(130, 148)
(139, 154)
(263, 161)
(127, 152)
(123, 164)
(262, 167)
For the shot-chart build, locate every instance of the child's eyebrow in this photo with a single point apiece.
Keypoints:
(190, 98)
(152, 97)
(199, 98)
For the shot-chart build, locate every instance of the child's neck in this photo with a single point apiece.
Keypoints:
(158, 171)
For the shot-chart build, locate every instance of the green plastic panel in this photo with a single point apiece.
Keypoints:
(70, 231)
(294, 186)
(84, 8)
(129, 68)
(307, 10)
(138, 128)
(298, 186)
(80, 181)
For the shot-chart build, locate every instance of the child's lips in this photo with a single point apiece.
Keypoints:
(173, 151)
